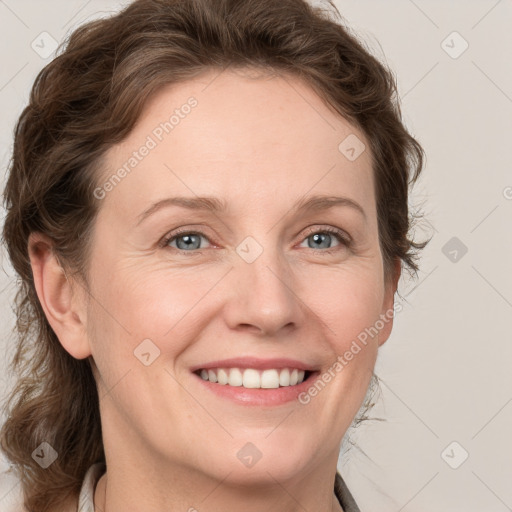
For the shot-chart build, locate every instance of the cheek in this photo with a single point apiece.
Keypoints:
(348, 303)
(347, 300)
(138, 303)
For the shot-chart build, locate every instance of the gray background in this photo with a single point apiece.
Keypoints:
(446, 369)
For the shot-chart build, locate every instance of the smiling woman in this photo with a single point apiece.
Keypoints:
(203, 290)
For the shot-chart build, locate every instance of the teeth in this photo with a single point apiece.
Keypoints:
(222, 376)
(235, 377)
(251, 378)
(284, 377)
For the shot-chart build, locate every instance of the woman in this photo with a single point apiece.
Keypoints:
(207, 209)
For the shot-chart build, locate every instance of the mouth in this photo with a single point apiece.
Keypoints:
(252, 378)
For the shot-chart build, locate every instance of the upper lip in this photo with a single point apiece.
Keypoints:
(254, 362)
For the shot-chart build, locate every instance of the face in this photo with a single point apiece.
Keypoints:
(263, 268)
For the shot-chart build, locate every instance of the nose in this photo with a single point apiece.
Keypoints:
(264, 299)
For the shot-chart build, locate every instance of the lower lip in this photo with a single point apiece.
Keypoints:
(258, 396)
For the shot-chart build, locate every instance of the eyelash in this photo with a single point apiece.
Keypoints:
(341, 236)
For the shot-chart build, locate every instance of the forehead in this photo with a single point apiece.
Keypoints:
(242, 134)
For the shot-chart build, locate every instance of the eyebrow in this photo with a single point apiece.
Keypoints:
(320, 203)
(212, 204)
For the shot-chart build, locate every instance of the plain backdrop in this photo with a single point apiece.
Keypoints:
(445, 444)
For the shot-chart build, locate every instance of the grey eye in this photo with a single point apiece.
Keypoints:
(187, 241)
(321, 240)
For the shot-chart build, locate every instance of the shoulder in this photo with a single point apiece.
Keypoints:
(11, 497)
(344, 496)
(86, 498)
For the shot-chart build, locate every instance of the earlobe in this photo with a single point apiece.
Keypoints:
(62, 306)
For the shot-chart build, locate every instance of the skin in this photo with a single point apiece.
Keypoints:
(260, 143)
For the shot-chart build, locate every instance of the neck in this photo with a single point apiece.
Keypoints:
(107, 499)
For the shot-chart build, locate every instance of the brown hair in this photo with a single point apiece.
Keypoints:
(88, 99)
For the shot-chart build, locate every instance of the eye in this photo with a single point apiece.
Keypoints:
(323, 239)
(190, 241)
(186, 241)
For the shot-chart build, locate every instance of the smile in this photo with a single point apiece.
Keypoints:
(252, 378)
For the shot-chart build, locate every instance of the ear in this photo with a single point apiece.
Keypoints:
(63, 304)
(387, 312)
